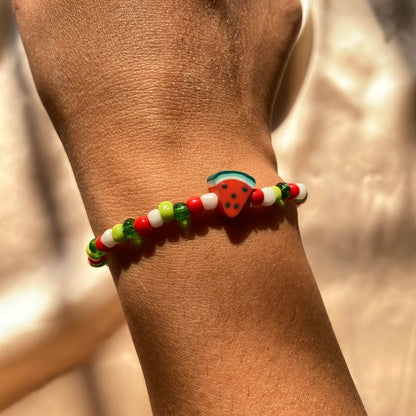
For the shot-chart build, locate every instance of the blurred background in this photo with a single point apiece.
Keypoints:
(345, 126)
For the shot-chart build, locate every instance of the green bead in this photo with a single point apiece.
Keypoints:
(94, 255)
(93, 248)
(128, 228)
(184, 223)
(278, 192)
(166, 211)
(285, 188)
(137, 241)
(118, 234)
(181, 211)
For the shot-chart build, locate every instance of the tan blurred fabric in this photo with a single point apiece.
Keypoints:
(349, 135)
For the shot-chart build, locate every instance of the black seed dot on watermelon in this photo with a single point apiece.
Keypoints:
(236, 206)
(227, 204)
(245, 189)
(225, 186)
(233, 196)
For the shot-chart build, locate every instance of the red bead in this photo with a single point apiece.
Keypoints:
(256, 197)
(95, 262)
(195, 205)
(101, 247)
(142, 225)
(294, 191)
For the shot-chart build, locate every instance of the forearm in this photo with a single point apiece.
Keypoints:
(235, 329)
(226, 317)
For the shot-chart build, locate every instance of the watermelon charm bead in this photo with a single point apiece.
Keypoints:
(233, 190)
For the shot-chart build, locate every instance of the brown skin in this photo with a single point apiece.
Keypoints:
(149, 98)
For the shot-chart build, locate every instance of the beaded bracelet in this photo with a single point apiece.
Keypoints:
(229, 192)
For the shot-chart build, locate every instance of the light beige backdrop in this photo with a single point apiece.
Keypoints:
(348, 105)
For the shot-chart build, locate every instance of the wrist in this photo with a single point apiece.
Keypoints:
(129, 170)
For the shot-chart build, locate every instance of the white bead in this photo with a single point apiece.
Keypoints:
(209, 201)
(155, 218)
(303, 193)
(269, 197)
(107, 238)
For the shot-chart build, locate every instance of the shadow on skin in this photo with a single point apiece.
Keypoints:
(250, 220)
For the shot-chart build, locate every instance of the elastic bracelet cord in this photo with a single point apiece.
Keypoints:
(229, 192)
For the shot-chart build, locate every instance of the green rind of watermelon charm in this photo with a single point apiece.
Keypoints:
(233, 189)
